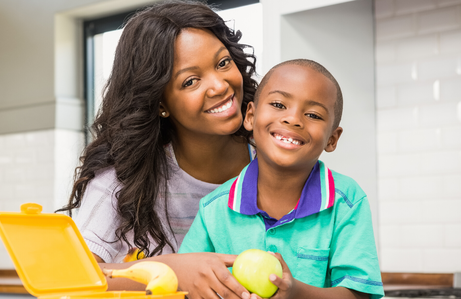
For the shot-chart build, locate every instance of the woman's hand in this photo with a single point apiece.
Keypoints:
(204, 275)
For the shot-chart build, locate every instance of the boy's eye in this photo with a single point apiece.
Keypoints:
(224, 62)
(189, 82)
(312, 115)
(278, 105)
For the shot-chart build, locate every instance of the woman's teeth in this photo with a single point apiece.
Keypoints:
(287, 140)
(222, 108)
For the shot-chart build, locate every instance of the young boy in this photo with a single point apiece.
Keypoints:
(287, 201)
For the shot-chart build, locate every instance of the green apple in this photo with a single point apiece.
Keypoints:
(252, 269)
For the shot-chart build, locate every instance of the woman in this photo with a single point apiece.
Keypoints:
(169, 132)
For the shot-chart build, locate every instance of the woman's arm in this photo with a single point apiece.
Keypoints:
(119, 284)
(202, 275)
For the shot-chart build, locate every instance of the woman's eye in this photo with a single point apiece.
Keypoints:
(189, 82)
(278, 105)
(224, 62)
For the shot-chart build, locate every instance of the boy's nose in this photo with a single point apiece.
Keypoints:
(292, 120)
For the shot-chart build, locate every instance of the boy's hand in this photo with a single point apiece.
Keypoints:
(286, 284)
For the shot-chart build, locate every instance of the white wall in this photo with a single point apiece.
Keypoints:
(36, 166)
(418, 62)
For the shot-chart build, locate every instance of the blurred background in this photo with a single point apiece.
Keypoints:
(398, 63)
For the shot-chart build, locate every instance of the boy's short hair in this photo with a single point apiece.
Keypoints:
(338, 109)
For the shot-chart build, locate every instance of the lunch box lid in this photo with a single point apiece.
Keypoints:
(49, 253)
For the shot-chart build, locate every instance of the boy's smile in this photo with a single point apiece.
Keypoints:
(292, 121)
(288, 139)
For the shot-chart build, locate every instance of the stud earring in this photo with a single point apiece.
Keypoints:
(163, 114)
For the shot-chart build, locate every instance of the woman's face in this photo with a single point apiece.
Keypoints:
(205, 92)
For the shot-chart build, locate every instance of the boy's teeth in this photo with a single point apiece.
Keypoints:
(287, 140)
(222, 108)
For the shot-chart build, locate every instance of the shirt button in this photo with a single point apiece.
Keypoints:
(273, 248)
(272, 231)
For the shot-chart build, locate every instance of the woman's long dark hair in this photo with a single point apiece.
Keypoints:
(128, 133)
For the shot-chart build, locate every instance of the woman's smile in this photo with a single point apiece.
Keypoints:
(225, 108)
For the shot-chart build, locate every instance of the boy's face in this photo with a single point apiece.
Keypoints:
(292, 122)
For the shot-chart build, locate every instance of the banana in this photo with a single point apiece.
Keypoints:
(159, 277)
(133, 255)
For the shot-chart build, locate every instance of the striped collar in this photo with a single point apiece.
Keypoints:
(318, 193)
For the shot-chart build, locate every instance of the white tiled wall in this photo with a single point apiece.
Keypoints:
(418, 64)
(36, 167)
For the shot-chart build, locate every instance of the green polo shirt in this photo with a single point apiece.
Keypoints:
(326, 240)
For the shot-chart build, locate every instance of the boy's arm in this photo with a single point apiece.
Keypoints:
(308, 291)
(291, 288)
(353, 262)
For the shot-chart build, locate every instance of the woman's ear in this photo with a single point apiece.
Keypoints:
(333, 140)
(162, 111)
(249, 117)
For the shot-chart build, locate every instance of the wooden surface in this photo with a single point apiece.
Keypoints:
(10, 283)
(424, 279)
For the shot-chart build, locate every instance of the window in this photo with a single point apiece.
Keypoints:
(98, 55)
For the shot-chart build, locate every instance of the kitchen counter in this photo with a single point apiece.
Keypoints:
(418, 285)
(10, 282)
(400, 281)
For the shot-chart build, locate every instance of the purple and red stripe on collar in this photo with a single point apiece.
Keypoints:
(317, 195)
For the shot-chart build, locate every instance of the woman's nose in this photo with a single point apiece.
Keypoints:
(218, 86)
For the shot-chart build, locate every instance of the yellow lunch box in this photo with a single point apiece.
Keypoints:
(52, 259)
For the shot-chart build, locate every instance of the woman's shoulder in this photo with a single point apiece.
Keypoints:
(102, 188)
(221, 193)
(105, 178)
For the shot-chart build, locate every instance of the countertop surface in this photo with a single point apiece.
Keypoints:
(11, 284)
